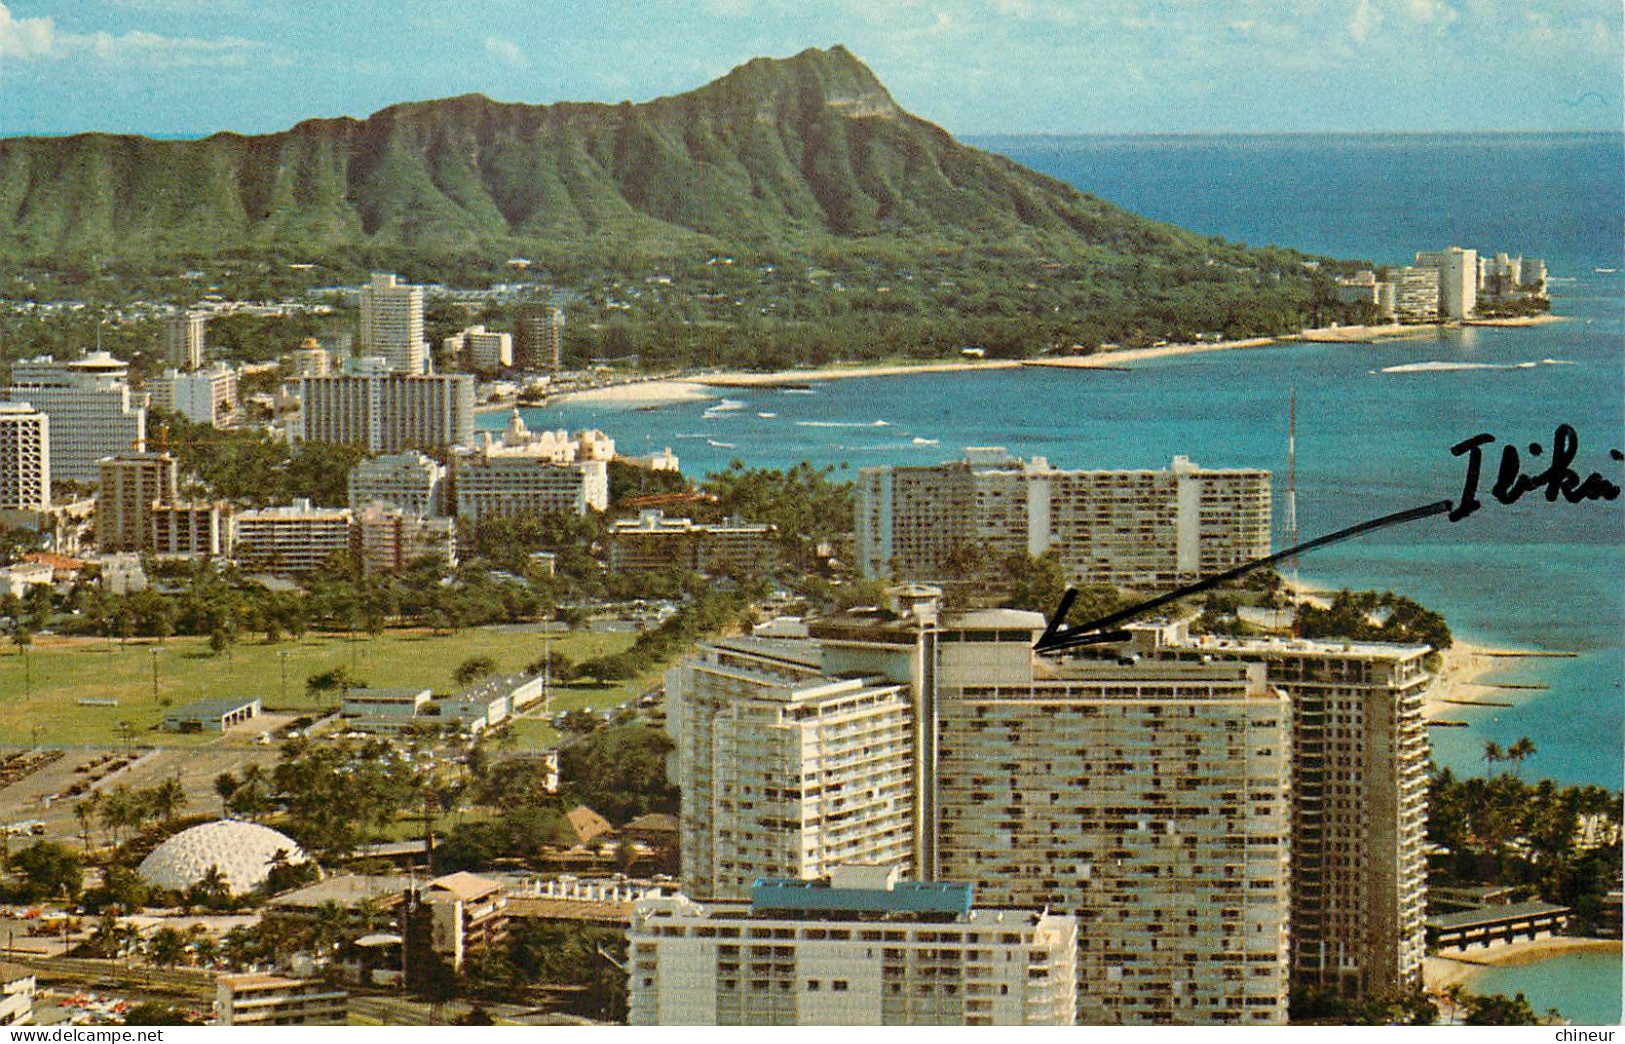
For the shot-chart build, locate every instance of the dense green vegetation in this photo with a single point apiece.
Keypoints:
(1355, 615)
(788, 214)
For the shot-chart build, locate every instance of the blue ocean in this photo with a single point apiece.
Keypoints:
(1535, 575)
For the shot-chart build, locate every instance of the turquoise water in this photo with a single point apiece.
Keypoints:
(1585, 987)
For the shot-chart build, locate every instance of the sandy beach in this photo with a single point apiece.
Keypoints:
(1117, 357)
(835, 373)
(1439, 972)
(1364, 334)
(1516, 320)
(637, 393)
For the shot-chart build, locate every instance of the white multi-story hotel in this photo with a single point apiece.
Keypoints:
(1145, 529)
(392, 323)
(184, 340)
(191, 530)
(1416, 293)
(385, 412)
(526, 472)
(296, 538)
(310, 359)
(411, 481)
(202, 396)
(786, 771)
(481, 350)
(861, 948)
(93, 412)
(1503, 278)
(1458, 279)
(1360, 777)
(1148, 800)
(25, 458)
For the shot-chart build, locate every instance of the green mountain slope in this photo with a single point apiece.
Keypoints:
(804, 151)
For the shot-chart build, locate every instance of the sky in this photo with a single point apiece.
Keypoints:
(181, 67)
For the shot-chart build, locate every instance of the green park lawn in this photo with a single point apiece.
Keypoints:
(60, 672)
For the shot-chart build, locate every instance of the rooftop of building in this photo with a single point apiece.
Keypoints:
(347, 891)
(388, 694)
(1489, 915)
(1305, 646)
(850, 890)
(497, 686)
(465, 886)
(215, 707)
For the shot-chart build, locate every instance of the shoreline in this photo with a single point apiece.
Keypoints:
(659, 391)
(1440, 971)
(1457, 683)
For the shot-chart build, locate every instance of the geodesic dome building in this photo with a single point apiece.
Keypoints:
(244, 853)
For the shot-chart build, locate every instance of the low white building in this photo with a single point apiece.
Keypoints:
(861, 948)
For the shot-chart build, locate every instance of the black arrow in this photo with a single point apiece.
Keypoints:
(1056, 637)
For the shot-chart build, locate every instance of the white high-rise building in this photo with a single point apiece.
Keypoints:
(1417, 293)
(392, 323)
(202, 396)
(296, 538)
(1360, 779)
(410, 481)
(184, 340)
(861, 948)
(1147, 529)
(786, 771)
(385, 412)
(1148, 800)
(25, 458)
(1458, 279)
(130, 486)
(540, 343)
(93, 412)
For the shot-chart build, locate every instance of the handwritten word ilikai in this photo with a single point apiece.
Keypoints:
(1559, 478)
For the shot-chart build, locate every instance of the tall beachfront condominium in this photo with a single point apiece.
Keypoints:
(25, 458)
(1143, 529)
(411, 481)
(861, 948)
(1416, 293)
(93, 412)
(785, 771)
(392, 323)
(540, 341)
(202, 396)
(130, 486)
(1458, 279)
(184, 340)
(1148, 800)
(1360, 754)
(386, 412)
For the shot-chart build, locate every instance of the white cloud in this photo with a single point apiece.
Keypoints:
(39, 39)
(506, 50)
(1367, 17)
(1430, 12)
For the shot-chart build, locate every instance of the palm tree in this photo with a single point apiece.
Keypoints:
(85, 812)
(1518, 751)
(168, 798)
(225, 785)
(1492, 755)
(1454, 995)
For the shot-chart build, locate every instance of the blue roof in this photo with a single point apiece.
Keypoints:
(919, 897)
(217, 707)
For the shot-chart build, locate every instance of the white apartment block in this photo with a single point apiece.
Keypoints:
(860, 949)
(25, 458)
(130, 485)
(1360, 755)
(1504, 278)
(411, 481)
(786, 771)
(297, 538)
(392, 323)
(1458, 279)
(93, 412)
(271, 1000)
(1150, 801)
(202, 396)
(487, 483)
(385, 412)
(1145, 529)
(310, 359)
(1416, 293)
(184, 340)
(481, 350)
